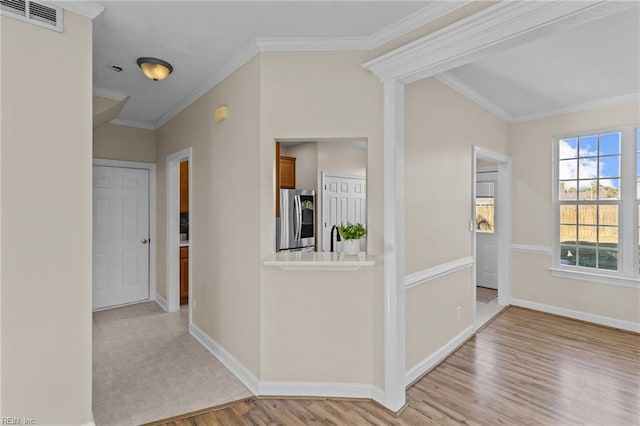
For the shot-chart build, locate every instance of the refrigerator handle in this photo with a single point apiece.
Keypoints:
(298, 217)
(294, 219)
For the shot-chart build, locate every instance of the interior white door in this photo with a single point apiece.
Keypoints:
(344, 199)
(120, 236)
(486, 235)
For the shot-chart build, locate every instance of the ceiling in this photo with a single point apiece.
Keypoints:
(589, 65)
(593, 64)
(200, 38)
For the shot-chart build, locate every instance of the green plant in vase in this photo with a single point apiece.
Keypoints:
(351, 234)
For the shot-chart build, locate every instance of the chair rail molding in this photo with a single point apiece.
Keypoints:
(424, 276)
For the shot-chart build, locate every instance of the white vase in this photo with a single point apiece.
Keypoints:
(351, 247)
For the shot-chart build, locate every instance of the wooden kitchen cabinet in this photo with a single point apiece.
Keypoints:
(184, 275)
(287, 172)
(184, 187)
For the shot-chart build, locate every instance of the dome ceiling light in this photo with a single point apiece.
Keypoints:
(155, 69)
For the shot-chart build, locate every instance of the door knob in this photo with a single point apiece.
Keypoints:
(145, 241)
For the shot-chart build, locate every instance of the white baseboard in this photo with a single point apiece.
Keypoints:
(163, 303)
(316, 389)
(236, 367)
(269, 388)
(579, 315)
(266, 388)
(377, 395)
(438, 356)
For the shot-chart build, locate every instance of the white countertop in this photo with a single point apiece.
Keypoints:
(318, 261)
(184, 243)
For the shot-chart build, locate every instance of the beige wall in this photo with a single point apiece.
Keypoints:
(306, 155)
(241, 304)
(441, 127)
(337, 158)
(225, 216)
(113, 142)
(432, 318)
(321, 96)
(318, 326)
(46, 221)
(531, 150)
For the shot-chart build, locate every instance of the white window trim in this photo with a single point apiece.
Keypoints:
(587, 274)
(627, 275)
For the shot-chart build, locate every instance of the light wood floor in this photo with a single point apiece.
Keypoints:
(526, 367)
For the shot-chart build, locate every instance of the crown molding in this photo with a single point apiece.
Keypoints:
(240, 58)
(463, 89)
(83, 8)
(467, 33)
(310, 44)
(105, 93)
(411, 22)
(377, 39)
(633, 97)
(131, 123)
(504, 25)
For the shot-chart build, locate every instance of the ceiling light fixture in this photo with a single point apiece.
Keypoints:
(154, 68)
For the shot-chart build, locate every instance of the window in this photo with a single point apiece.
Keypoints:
(485, 215)
(595, 173)
(485, 208)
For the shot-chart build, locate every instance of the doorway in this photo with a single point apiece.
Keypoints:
(491, 233)
(344, 200)
(123, 233)
(180, 232)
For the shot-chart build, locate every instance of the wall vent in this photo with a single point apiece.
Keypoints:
(37, 13)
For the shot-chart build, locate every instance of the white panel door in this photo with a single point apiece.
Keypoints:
(486, 235)
(120, 236)
(344, 199)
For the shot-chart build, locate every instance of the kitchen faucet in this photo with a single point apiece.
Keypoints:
(335, 228)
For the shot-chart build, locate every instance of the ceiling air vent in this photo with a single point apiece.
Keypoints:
(37, 13)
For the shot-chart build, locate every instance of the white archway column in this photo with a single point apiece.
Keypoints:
(394, 247)
(502, 26)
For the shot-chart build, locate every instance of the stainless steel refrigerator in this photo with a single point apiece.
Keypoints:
(296, 228)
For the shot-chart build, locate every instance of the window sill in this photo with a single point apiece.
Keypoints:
(616, 280)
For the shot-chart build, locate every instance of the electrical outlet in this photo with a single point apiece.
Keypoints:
(459, 312)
